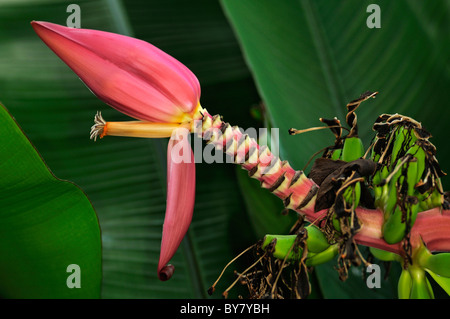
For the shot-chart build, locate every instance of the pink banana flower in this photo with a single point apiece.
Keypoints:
(143, 82)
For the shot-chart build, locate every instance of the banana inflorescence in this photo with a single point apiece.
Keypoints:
(398, 174)
(342, 174)
(407, 179)
(405, 183)
(414, 283)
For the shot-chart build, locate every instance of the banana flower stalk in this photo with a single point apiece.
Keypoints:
(163, 95)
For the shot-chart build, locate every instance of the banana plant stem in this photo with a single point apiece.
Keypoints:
(298, 192)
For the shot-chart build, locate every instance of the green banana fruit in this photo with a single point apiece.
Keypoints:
(322, 257)
(336, 154)
(404, 285)
(316, 242)
(412, 171)
(421, 158)
(421, 287)
(353, 193)
(436, 199)
(404, 140)
(394, 229)
(381, 192)
(390, 196)
(384, 255)
(429, 201)
(283, 244)
(438, 264)
(393, 232)
(399, 140)
(336, 223)
(353, 149)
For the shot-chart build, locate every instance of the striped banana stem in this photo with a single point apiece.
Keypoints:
(294, 188)
(298, 192)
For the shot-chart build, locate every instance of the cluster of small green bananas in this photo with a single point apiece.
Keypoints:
(405, 183)
(345, 186)
(294, 254)
(401, 178)
(413, 282)
(341, 174)
(287, 247)
(407, 180)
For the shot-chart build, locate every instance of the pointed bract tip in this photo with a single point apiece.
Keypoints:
(166, 272)
(180, 196)
(37, 25)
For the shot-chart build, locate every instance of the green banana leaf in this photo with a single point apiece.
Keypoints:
(124, 177)
(309, 58)
(49, 234)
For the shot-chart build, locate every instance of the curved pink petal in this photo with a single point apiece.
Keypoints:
(131, 75)
(180, 198)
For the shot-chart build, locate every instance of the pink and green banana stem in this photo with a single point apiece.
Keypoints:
(298, 192)
(293, 187)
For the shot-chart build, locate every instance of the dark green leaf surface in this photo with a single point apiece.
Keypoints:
(356, 285)
(46, 225)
